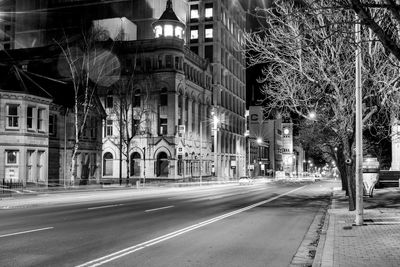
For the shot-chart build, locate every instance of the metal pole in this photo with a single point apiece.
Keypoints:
(120, 141)
(359, 155)
(201, 150)
(248, 153)
(65, 147)
(144, 165)
(215, 151)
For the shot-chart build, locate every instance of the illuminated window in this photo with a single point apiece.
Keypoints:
(208, 11)
(158, 30)
(194, 12)
(178, 32)
(168, 30)
(208, 32)
(194, 34)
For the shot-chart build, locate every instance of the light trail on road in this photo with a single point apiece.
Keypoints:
(28, 231)
(104, 207)
(124, 252)
(162, 208)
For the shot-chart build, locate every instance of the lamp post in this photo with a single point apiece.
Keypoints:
(201, 151)
(359, 157)
(215, 122)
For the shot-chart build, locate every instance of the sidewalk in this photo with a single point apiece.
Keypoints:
(377, 243)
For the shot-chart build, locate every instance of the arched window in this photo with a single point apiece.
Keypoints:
(164, 97)
(135, 164)
(136, 98)
(107, 164)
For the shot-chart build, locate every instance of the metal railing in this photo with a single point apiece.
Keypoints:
(8, 187)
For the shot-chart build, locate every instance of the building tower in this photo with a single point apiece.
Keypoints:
(215, 32)
(288, 155)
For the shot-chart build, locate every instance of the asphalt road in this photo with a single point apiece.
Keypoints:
(254, 225)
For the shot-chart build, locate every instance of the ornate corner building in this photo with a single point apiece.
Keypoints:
(186, 67)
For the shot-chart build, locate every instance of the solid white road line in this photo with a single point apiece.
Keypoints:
(103, 207)
(132, 249)
(162, 208)
(26, 232)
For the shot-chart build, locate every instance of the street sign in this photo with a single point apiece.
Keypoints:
(251, 167)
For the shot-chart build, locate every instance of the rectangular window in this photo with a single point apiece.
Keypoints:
(194, 12)
(208, 32)
(109, 128)
(40, 122)
(93, 128)
(163, 126)
(168, 30)
(52, 124)
(208, 52)
(194, 34)
(109, 101)
(29, 117)
(168, 61)
(208, 11)
(11, 157)
(12, 116)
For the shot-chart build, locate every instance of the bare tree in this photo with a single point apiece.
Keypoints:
(131, 112)
(308, 53)
(87, 66)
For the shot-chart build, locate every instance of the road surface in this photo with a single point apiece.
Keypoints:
(261, 224)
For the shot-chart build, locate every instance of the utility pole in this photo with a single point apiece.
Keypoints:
(201, 151)
(120, 140)
(359, 156)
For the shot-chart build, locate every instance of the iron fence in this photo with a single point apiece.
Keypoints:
(8, 187)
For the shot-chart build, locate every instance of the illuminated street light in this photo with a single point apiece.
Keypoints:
(312, 115)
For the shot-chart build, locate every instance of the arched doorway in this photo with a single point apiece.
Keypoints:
(162, 164)
(107, 164)
(135, 164)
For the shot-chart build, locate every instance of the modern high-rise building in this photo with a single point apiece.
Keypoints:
(215, 31)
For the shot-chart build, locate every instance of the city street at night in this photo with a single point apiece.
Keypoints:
(261, 224)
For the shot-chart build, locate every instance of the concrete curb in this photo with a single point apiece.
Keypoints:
(319, 255)
(304, 254)
(324, 254)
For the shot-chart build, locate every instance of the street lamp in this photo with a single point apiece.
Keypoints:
(215, 122)
(312, 115)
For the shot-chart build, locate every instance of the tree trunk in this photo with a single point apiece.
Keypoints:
(351, 186)
(127, 163)
(73, 164)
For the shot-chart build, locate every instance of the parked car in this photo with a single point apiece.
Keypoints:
(245, 180)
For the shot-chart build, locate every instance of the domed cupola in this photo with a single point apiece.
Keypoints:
(168, 25)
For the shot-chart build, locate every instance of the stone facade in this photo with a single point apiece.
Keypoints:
(24, 137)
(174, 98)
